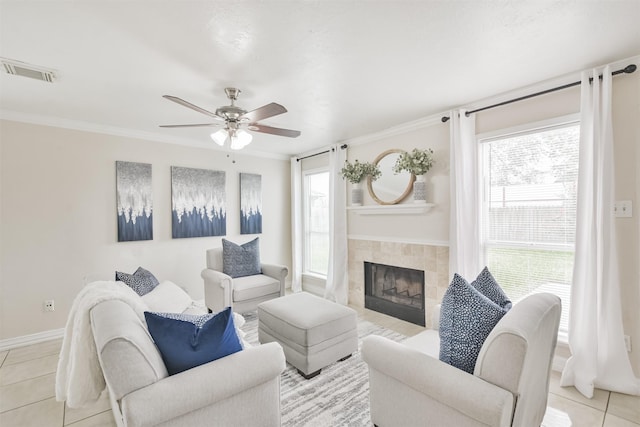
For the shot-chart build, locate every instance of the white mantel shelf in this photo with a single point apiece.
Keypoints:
(401, 209)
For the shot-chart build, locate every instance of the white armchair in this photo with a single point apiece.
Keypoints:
(242, 389)
(410, 386)
(243, 294)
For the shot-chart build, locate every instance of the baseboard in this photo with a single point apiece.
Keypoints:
(314, 289)
(24, 340)
(558, 363)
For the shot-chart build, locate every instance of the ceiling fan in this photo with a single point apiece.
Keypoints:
(236, 121)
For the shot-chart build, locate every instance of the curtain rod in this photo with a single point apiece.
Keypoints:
(343, 146)
(628, 70)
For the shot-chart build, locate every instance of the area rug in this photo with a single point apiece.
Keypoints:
(339, 396)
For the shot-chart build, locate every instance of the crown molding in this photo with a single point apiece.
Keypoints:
(400, 129)
(124, 132)
(545, 84)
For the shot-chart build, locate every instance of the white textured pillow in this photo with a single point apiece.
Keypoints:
(167, 297)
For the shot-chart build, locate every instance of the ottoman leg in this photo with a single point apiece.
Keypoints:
(344, 358)
(311, 375)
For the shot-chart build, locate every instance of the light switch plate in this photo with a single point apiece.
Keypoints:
(623, 209)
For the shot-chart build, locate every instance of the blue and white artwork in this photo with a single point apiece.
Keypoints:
(198, 202)
(134, 201)
(250, 203)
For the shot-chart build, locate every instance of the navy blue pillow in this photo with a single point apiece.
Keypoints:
(466, 319)
(487, 285)
(184, 345)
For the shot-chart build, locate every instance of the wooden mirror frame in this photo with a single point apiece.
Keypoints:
(407, 190)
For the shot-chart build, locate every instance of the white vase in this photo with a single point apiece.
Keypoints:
(420, 190)
(356, 194)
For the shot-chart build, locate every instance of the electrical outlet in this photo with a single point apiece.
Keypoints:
(623, 209)
(49, 305)
(627, 342)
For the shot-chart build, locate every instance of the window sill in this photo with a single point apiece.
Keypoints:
(400, 209)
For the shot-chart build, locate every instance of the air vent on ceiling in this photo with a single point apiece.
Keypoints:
(18, 68)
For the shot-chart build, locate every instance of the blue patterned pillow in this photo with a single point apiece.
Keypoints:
(487, 285)
(241, 260)
(466, 319)
(186, 341)
(142, 281)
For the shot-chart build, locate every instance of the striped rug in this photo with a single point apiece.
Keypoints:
(339, 396)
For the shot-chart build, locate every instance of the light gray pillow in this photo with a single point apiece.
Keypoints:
(241, 260)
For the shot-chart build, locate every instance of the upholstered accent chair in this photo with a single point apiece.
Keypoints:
(409, 385)
(238, 390)
(243, 294)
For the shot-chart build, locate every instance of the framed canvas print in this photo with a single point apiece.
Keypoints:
(134, 201)
(198, 203)
(250, 203)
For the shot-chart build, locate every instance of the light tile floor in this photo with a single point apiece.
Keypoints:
(27, 392)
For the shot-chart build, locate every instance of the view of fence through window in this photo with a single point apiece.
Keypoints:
(530, 194)
(316, 254)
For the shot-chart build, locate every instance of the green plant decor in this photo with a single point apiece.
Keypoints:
(355, 172)
(417, 162)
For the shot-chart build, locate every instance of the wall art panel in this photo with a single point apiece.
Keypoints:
(198, 202)
(250, 203)
(134, 201)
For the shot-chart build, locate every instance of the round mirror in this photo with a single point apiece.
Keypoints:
(390, 188)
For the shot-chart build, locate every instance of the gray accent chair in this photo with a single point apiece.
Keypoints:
(410, 386)
(243, 294)
(242, 389)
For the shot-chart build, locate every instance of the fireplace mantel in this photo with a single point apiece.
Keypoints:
(400, 209)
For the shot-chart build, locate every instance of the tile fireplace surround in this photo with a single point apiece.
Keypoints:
(432, 259)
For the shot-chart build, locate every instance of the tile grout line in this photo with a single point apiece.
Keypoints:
(582, 404)
(27, 404)
(5, 364)
(606, 408)
(81, 419)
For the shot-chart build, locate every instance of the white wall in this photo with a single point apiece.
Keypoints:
(434, 226)
(58, 217)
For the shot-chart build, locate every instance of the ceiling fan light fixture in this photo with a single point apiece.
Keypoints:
(220, 136)
(240, 139)
(235, 117)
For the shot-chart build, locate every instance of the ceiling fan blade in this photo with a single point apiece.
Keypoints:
(191, 126)
(263, 112)
(274, 131)
(190, 105)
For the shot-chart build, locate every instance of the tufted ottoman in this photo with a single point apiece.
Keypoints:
(313, 331)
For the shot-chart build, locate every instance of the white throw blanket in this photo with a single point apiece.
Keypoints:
(79, 379)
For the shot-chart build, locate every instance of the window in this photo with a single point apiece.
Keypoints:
(316, 222)
(529, 211)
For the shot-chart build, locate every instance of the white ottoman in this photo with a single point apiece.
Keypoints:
(314, 332)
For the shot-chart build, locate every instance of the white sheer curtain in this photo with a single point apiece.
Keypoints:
(464, 224)
(296, 224)
(337, 288)
(599, 357)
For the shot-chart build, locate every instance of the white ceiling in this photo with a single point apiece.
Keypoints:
(342, 68)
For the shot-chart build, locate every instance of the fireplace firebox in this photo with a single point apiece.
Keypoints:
(396, 291)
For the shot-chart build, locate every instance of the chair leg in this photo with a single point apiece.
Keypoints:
(311, 375)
